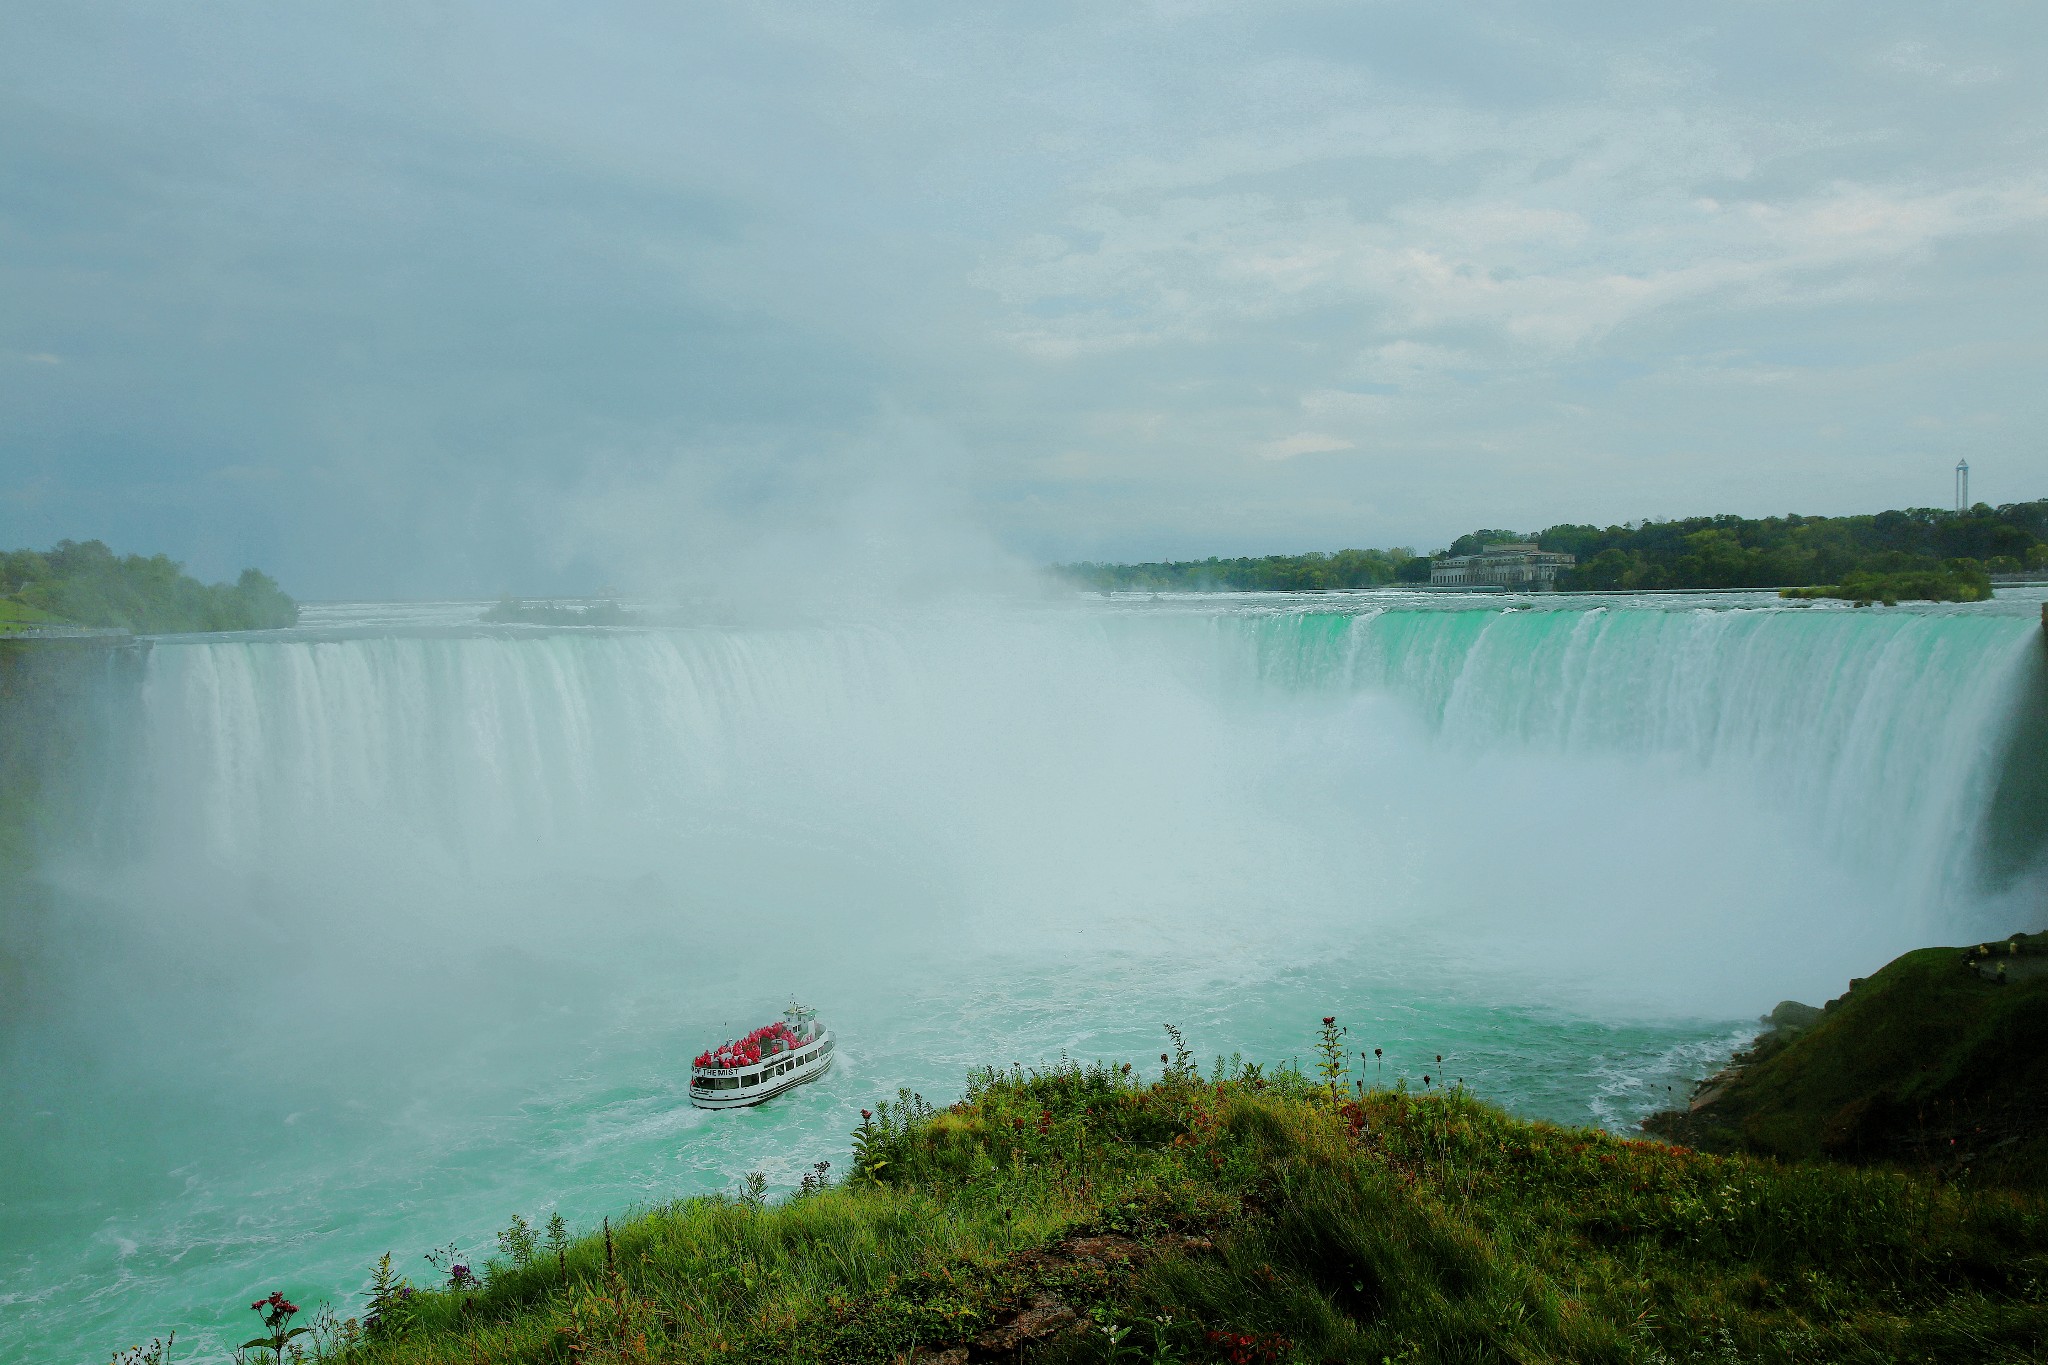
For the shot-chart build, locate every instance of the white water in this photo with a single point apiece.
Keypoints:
(400, 929)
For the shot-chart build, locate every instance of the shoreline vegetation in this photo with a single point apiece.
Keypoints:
(1956, 580)
(85, 584)
(1242, 1213)
(1919, 553)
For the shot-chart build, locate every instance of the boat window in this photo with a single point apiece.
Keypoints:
(749, 1080)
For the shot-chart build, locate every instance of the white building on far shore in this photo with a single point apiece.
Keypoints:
(1519, 565)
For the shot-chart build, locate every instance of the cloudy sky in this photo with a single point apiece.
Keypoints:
(425, 297)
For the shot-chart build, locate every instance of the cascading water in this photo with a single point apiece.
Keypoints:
(384, 935)
(1882, 736)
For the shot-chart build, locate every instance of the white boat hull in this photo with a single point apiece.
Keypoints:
(739, 1087)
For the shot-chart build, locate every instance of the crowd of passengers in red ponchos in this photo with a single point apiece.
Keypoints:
(764, 1041)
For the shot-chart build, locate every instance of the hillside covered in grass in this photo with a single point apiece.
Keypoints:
(1083, 1214)
(1939, 1060)
(87, 584)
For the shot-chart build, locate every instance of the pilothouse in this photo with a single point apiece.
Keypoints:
(773, 1058)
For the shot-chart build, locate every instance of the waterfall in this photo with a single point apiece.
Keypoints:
(1888, 736)
(374, 936)
(968, 746)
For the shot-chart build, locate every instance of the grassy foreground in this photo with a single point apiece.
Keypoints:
(1085, 1215)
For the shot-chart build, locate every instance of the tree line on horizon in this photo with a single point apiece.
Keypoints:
(1693, 552)
(84, 583)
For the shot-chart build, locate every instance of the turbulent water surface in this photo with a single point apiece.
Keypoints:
(395, 925)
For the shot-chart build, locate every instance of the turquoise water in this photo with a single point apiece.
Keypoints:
(399, 926)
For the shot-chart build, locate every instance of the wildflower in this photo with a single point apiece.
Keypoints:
(1329, 1019)
(865, 1116)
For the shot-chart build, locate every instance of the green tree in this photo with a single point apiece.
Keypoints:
(85, 583)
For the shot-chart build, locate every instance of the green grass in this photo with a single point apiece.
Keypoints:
(16, 614)
(1926, 1063)
(1250, 1217)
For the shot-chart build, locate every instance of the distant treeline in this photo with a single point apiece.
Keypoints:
(1795, 551)
(1311, 572)
(1697, 552)
(87, 584)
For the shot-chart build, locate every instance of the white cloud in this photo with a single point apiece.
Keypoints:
(1916, 57)
(1534, 275)
(1302, 443)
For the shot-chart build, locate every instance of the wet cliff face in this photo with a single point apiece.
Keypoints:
(67, 708)
(2016, 825)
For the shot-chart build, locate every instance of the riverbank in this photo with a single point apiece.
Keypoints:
(1084, 1214)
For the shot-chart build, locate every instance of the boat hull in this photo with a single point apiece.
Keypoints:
(772, 1076)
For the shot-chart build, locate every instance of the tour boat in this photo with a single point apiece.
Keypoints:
(773, 1058)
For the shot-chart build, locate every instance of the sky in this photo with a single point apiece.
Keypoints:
(458, 299)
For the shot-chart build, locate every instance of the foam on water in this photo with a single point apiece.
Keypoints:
(397, 925)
